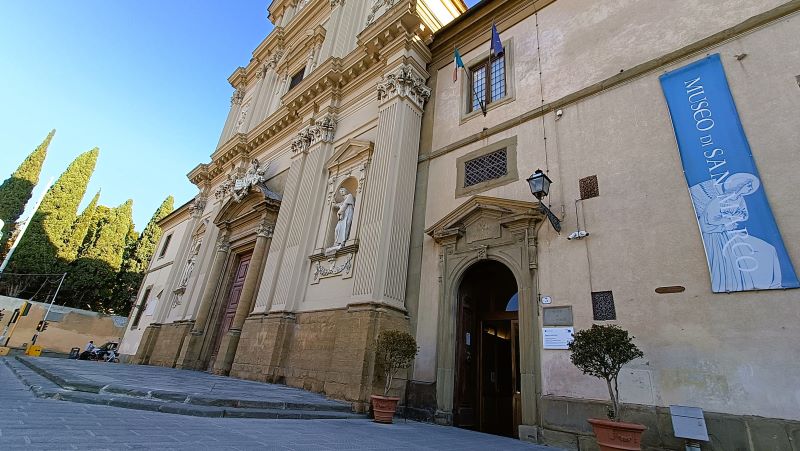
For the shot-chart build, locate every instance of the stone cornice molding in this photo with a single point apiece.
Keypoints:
(404, 82)
(514, 215)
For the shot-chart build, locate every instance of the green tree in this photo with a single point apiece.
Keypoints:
(42, 248)
(93, 275)
(16, 190)
(137, 257)
(80, 228)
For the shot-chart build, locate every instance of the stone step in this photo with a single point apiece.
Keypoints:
(48, 384)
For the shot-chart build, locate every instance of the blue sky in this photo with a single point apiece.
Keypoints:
(144, 81)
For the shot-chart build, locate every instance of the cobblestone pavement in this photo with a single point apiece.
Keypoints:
(30, 423)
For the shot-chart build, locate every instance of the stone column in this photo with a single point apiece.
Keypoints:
(190, 353)
(230, 342)
(385, 232)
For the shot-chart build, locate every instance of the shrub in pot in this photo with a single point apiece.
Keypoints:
(395, 351)
(602, 351)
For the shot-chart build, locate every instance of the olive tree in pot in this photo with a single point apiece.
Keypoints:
(396, 351)
(601, 352)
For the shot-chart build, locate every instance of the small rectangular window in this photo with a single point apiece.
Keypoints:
(165, 246)
(486, 167)
(297, 78)
(603, 306)
(140, 308)
(488, 82)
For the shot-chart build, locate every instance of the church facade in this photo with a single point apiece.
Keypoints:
(360, 185)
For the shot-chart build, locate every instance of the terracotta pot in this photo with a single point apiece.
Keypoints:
(615, 435)
(383, 408)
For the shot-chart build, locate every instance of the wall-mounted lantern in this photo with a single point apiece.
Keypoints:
(539, 183)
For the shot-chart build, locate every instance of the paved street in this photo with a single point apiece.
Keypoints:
(27, 422)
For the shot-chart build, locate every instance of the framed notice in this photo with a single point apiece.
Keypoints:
(557, 337)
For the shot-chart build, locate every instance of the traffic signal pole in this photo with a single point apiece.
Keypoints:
(49, 307)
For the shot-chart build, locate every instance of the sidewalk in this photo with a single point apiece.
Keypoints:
(37, 424)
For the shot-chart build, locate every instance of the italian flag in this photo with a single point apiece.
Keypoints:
(458, 64)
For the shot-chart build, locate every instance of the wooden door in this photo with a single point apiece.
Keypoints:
(465, 400)
(232, 301)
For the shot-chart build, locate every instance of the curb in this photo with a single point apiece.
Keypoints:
(46, 385)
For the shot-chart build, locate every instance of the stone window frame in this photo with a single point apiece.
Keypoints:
(465, 112)
(512, 175)
(140, 307)
(165, 246)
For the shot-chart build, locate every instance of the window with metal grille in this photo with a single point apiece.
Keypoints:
(140, 310)
(165, 246)
(589, 187)
(603, 306)
(486, 167)
(297, 78)
(491, 74)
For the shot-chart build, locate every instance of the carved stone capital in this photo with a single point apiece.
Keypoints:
(265, 230)
(335, 3)
(378, 8)
(323, 130)
(237, 97)
(404, 82)
(223, 243)
(197, 207)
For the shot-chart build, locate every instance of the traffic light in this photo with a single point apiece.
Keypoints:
(2, 314)
(25, 309)
(39, 326)
(44, 325)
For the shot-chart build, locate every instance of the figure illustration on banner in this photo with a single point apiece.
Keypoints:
(737, 260)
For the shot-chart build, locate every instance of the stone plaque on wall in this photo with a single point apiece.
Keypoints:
(557, 316)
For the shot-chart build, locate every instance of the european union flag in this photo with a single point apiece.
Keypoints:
(497, 45)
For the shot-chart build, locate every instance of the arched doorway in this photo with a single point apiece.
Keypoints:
(487, 382)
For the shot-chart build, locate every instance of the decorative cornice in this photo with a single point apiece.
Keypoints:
(404, 82)
(377, 6)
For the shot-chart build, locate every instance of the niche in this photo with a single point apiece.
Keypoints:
(340, 230)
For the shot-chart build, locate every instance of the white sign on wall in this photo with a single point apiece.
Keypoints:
(557, 337)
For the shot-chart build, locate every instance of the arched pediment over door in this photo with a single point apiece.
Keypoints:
(502, 230)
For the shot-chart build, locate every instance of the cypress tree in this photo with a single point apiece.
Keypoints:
(92, 275)
(43, 247)
(16, 190)
(137, 257)
(80, 229)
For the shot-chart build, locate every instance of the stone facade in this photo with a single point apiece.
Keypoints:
(294, 256)
(356, 97)
(583, 99)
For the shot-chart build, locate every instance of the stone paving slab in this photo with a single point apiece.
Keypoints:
(31, 423)
(32, 376)
(168, 384)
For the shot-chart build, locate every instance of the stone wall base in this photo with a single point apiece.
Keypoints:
(564, 425)
(167, 344)
(330, 352)
(146, 344)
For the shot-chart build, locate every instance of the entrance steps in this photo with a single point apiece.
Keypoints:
(174, 391)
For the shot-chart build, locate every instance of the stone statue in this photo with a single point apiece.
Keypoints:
(345, 214)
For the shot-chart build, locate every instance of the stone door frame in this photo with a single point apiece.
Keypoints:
(496, 229)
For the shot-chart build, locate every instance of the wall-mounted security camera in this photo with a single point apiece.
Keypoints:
(559, 113)
(578, 235)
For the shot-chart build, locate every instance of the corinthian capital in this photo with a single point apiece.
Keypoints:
(404, 82)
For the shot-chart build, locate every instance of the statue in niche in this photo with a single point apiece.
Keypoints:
(345, 214)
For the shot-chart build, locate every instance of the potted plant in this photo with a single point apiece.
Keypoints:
(396, 350)
(601, 352)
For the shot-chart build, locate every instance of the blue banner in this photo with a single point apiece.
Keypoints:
(742, 242)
